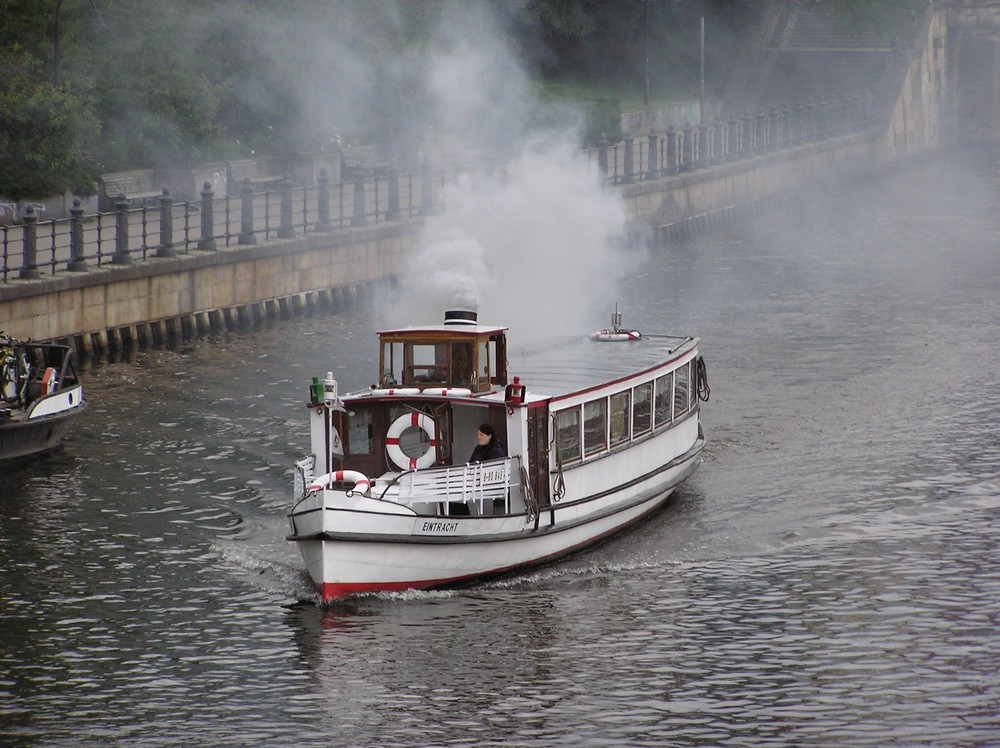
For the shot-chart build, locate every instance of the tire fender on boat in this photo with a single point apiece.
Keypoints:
(392, 449)
(360, 480)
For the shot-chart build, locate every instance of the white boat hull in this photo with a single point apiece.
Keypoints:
(352, 544)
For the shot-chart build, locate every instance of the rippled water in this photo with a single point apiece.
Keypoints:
(830, 576)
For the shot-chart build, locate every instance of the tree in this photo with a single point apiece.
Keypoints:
(47, 134)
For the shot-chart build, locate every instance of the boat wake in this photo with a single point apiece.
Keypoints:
(261, 568)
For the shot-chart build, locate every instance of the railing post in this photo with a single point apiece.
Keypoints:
(704, 146)
(207, 241)
(688, 160)
(746, 142)
(29, 264)
(629, 166)
(359, 218)
(247, 234)
(121, 256)
(602, 156)
(286, 231)
(166, 248)
(772, 129)
(426, 189)
(718, 141)
(76, 261)
(323, 201)
(673, 151)
(760, 132)
(653, 170)
(393, 213)
(733, 139)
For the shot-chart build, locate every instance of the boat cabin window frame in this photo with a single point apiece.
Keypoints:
(663, 399)
(595, 426)
(619, 418)
(682, 390)
(642, 409)
(477, 362)
(568, 436)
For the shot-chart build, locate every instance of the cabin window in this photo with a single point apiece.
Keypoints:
(681, 390)
(661, 401)
(429, 362)
(360, 439)
(595, 426)
(392, 365)
(462, 364)
(568, 435)
(642, 408)
(483, 372)
(618, 425)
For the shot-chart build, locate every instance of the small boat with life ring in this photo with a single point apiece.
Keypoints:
(593, 438)
(40, 394)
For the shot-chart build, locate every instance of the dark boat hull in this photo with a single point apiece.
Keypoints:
(21, 438)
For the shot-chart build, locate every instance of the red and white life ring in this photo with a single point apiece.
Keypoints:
(420, 420)
(49, 381)
(360, 480)
(449, 391)
(384, 391)
(616, 335)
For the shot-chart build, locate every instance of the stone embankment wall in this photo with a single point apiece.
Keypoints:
(920, 120)
(172, 297)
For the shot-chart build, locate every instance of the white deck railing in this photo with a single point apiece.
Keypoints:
(479, 483)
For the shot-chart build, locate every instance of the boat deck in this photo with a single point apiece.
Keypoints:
(579, 363)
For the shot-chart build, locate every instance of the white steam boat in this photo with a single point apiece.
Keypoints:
(597, 431)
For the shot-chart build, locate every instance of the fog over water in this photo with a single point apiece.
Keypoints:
(829, 576)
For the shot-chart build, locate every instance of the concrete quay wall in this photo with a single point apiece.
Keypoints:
(116, 307)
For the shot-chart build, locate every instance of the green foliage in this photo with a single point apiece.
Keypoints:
(47, 135)
(106, 85)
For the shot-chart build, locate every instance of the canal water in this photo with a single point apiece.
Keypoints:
(830, 576)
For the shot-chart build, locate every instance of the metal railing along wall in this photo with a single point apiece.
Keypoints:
(166, 228)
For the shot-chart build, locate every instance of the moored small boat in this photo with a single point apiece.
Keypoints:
(41, 394)
(596, 433)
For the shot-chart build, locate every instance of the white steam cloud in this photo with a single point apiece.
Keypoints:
(537, 247)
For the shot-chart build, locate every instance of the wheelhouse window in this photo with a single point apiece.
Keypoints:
(618, 425)
(360, 440)
(682, 390)
(429, 362)
(661, 401)
(595, 426)
(642, 408)
(568, 435)
(392, 365)
(463, 371)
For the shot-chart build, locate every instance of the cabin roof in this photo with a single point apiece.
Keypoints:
(437, 330)
(571, 365)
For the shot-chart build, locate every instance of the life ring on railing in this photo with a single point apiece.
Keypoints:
(395, 391)
(360, 480)
(49, 382)
(452, 391)
(422, 421)
(616, 335)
